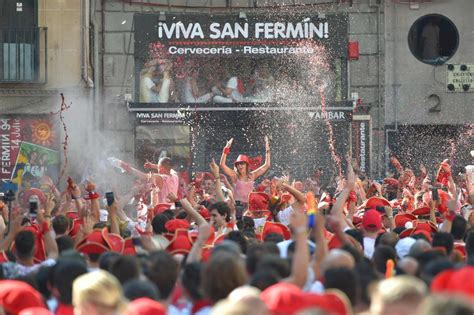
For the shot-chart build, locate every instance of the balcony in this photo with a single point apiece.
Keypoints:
(23, 55)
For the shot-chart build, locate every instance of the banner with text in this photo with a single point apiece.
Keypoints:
(361, 141)
(224, 58)
(29, 150)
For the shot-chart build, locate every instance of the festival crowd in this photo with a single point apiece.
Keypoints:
(236, 242)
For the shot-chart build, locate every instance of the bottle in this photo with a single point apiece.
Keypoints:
(116, 163)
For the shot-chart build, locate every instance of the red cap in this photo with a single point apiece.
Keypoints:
(16, 296)
(275, 227)
(373, 202)
(372, 220)
(146, 306)
(402, 218)
(98, 242)
(242, 158)
(181, 242)
(331, 302)
(455, 281)
(37, 311)
(175, 224)
(335, 242)
(129, 247)
(258, 201)
(391, 182)
(160, 208)
(421, 211)
(72, 215)
(76, 224)
(255, 162)
(283, 298)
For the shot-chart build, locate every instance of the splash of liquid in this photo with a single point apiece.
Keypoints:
(331, 141)
(64, 107)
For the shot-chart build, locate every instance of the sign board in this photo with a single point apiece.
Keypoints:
(255, 35)
(156, 113)
(29, 149)
(460, 78)
(362, 142)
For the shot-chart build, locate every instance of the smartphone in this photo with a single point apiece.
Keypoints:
(109, 196)
(434, 194)
(33, 208)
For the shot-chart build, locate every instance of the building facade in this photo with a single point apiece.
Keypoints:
(395, 86)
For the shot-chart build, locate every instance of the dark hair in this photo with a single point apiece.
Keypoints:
(169, 213)
(64, 242)
(222, 208)
(182, 215)
(262, 279)
(106, 260)
(470, 243)
(445, 240)
(125, 268)
(343, 279)
(65, 272)
(382, 253)
(279, 265)
(274, 238)
(61, 223)
(238, 237)
(367, 275)
(221, 275)
(137, 288)
(158, 223)
(255, 253)
(357, 234)
(459, 227)
(191, 280)
(434, 267)
(24, 244)
(163, 271)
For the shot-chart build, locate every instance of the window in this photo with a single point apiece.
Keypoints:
(433, 39)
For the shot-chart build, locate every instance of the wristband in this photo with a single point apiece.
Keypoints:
(226, 150)
(92, 195)
(300, 230)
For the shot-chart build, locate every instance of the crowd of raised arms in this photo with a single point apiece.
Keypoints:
(234, 241)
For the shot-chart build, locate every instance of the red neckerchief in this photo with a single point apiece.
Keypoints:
(64, 309)
(199, 305)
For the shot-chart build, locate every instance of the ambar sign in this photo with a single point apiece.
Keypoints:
(460, 78)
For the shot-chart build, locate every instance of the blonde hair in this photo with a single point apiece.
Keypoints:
(98, 288)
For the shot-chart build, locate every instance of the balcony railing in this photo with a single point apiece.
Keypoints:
(23, 55)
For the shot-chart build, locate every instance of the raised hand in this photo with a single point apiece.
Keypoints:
(172, 197)
(214, 169)
(229, 143)
(267, 144)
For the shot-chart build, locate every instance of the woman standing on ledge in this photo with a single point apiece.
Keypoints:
(242, 178)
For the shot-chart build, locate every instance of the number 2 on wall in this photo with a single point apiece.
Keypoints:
(436, 100)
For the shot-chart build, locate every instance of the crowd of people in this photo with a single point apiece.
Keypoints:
(237, 242)
(228, 81)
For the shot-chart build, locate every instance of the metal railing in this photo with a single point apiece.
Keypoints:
(24, 55)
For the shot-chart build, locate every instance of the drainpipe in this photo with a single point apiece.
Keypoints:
(375, 4)
(394, 86)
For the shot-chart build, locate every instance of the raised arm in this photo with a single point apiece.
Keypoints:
(227, 170)
(338, 207)
(215, 172)
(50, 245)
(262, 169)
(300, 261)
(189, 209)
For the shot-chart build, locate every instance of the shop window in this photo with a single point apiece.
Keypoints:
(433, 39)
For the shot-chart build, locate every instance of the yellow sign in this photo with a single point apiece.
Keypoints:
(460, 78)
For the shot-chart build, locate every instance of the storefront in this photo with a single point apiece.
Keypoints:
(202, 79)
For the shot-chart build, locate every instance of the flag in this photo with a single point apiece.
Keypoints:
(312, 207)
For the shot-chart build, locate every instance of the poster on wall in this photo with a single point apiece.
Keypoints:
(29, 151)
(227, 58)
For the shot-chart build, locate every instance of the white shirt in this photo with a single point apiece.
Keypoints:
(369, 246)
